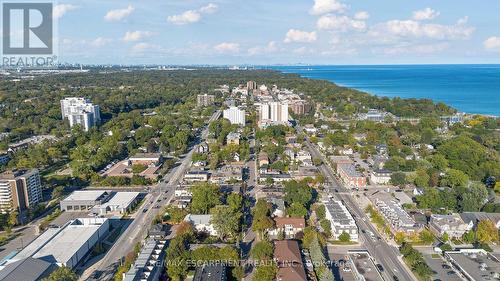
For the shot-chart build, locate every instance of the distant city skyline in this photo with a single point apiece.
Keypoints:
(278, 32)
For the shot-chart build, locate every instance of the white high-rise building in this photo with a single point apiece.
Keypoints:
(235, 115)
(274, 112)
(80, 111)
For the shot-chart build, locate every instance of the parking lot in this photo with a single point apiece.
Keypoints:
(442, 270)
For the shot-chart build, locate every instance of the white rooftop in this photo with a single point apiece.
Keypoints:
(69, 240)
(121, 200)
(85, 195)
(198, 219)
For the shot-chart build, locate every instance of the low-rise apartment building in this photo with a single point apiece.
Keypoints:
(398, 219)
(350, 176)
(341, 220)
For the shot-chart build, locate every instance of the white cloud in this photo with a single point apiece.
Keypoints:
(327, 6)
(61, 9)
(100, 42)
(411, 28)
(227, 47)
(362, 15)
(189, 16)
(208, 9)
(425, 14)
(192, 16)
(340, 23)
(294, 35)
(492, 44)
(269, 48)
(136, 35)
(119, 14)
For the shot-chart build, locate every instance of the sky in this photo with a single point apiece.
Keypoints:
(261, 32)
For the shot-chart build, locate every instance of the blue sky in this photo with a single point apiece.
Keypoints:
(278, 31)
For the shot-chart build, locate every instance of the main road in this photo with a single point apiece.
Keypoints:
(384, 254)
(160, 195)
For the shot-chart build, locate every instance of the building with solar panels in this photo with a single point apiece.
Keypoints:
(341, 220)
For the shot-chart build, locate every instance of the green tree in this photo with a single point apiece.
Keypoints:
(469, 237)
(298, 192)
(327, 226)
(454, 178)
(235, 201)
(265, 273)
(296, 210)
(473, 197)
(205, 197)
(321, 212)
(62, 274)
(422, 178)
(263, 250)
(398, 178)
(426, 237)
(344, 237)
(225, 221)
(261, 217)
(486, 232)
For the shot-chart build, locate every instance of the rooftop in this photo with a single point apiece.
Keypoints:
(69, 240)
(198, 219)
(86, 195)
(121, 199)
(295, 222)
(26, 269)
(212, 272)
(340, 214)
(479, 265)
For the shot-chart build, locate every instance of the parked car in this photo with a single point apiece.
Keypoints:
(380, 268)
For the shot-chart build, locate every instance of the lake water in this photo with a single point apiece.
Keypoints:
(468, 88)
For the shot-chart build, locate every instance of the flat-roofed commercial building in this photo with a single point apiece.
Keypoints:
(475, 264)
(196, 176)
(83, 200)
(67, 245)
(121, 202)
(19, 190)
(341, 220)
(26, 269)
(145, 159)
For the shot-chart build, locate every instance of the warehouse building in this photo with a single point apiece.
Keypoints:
(84, 200)
(121, 202)
(67, 245)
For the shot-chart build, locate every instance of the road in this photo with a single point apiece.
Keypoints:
(384, 254)
(160, 195)
(249, 238)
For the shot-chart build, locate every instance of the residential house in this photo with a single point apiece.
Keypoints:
(201, 223)
(289, 226)
(453, 225)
